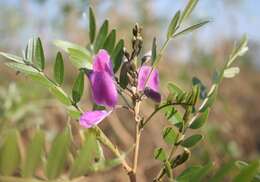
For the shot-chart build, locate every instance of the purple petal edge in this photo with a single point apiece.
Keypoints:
(92, 118)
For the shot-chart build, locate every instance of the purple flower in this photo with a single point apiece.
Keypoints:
(103, 87)
(151, 87)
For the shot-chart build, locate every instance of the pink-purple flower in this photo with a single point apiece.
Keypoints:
(104, 90)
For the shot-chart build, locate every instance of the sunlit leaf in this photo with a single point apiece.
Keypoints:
(78, 87)
(92, 25)
(101, 36)
(188, 9)
(211, 97)
(200, 120)
(29, 53)
(159, 154)
(33, 155)
(192, 140)
(173, 25)
(231, 72)
(12, 57)
(58, 155)
(59, 69)
(110, 41)
(174, 89)
(169, 135)
(60, 95)
(191, 28)
(117, 55)
(27, 70)
(9, 154)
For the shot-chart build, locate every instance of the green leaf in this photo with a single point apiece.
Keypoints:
(170, 135)
(60, 95)
(160, 154)
(191, 28)
(173, 116)
(79, 56)
(110, 41)
(29, 53)
(192, 140)
(59, 69)
(240, 50)
(200, 120)
(173, 25)
(208, 102)
(101, 37)
(154, 52)
(188, 9)
(222, 172)
(79, 59)
(231, 72)
(194, 172)
(92, 25)
(39, 55)
(12, 57)
(247, 173)
(9, 154)
(78, 87)
(117, 55)
(86, 156)
(174, 89)
(27, 70)
(34, 154)
(58, 155)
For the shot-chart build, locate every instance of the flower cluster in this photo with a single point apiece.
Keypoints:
(104, 87)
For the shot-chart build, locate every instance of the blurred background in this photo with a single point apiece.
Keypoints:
(233, 128)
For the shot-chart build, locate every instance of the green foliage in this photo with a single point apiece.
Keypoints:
(59, 69)
(192, 140)
(33, 155)
(101, 36)
(58, 155)
(92, 25)
(159, 154)
(110, 42)
(173, 25)
(200, 120)
(117, 55)
(78, 87)
(39, 55)
(170, 135)
(154, 51)
(188, 9)
(9, 154)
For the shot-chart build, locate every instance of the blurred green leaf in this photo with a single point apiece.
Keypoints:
(110, 41)
(239, 50)
(160, 154)
(117, 55)
(188, 9)
(29, 52)
(86, 156)
(173, 116)
(101, 36)
(192, 140)
(78, 87)
(191, 28)
(231, 72)
(222, 172)
(200, 120)
(154, 51)
(123, 79)
(73, 112)
(28, 70)
(58, 155)
(248, 172)
(92, 25)
(9, 154)
(170, 135)
(12, 57)
(34, 153)
(60, 95)
(174, 89)
(59, 69)
(173, 25)
(79, 56)
(39, 54)
(79, 59)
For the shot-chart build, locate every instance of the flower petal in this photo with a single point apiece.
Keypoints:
(103, 89)
(92, 118)
(102, 63)
(150, 93)
(153, 81)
